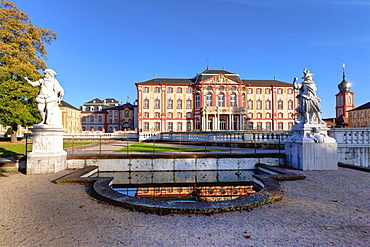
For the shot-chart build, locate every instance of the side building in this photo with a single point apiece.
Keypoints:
(359, 116)
(215, 100)
(107, 115)
(71, 118)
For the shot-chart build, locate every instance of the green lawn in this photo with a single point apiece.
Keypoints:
(148, 148)
(11, 149)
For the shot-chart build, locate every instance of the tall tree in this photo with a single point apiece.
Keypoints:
(22, 50)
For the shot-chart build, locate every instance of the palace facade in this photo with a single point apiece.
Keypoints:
(215, 100)
(107, 115)
(359, 116)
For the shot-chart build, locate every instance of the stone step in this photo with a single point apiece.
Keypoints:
(8, 165)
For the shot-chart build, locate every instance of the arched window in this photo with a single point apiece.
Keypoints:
(243, 100)
(233, 99)
(221, 100)
(92, 119)
(100, 119)
(209, 99)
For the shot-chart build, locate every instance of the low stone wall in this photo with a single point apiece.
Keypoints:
(174, 162)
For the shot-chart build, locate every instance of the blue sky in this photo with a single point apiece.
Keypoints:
(105, 47)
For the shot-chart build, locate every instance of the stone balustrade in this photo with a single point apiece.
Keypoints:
(353, 145)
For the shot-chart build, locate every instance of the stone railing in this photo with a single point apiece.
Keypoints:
(100, 135)
(219, 136)
(351, 137)
(353, 145)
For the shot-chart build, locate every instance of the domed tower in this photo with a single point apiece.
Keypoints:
(344, 101)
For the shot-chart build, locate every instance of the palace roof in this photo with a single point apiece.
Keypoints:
(362, 107)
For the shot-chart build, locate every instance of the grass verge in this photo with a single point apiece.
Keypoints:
(12, 149)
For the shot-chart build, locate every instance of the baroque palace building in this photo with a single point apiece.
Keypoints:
(215, 100)
(107, 115)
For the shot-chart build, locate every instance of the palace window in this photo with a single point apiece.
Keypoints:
(197, 124)
(100, 119)
(268, 115)
(157, 115)
(127, 114)
(179, 126)
(280, 115)
(243, 100)
(170, 115)
(280, 126)
(170, 104)
(250, 90)
(146, 126)
(188, 104)
(209, 88)
(290, 105)
(179, 104)
(290, 91)
(221, 88)
(233, 99)
(146, 103)
(188, 126)
(233, 88)
(170, 90)
(280, 104)
(267, 91)
(146, 90)
(157, 89)
(146, 114)
(259, 104)
(280, 91)
(268, 104)
(209, 99)
(189, 90)
(221, 100)
(157, 125)
(197, 100)
(179, 115)
(290, 125)
(268, 126)
(259, 90)
(92, 119)
(259, 126)
(259, 115)
(179, 90)
(170, 126)
(250, 104)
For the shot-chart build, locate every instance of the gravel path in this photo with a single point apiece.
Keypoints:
(329, 208)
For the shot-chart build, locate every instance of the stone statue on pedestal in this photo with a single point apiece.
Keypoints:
(309, 147)
(50, 96)
(308, 102)
(47, 154)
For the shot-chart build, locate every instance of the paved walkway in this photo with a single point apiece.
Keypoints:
(328, 208)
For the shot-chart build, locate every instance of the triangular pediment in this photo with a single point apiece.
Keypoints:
(221, 79)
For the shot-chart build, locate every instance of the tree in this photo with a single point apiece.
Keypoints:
(22, 50)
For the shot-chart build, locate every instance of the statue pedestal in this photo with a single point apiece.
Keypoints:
(47, 154)
(310, 148)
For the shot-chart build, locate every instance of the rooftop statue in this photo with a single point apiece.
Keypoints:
(50, 96)
(308, 102)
